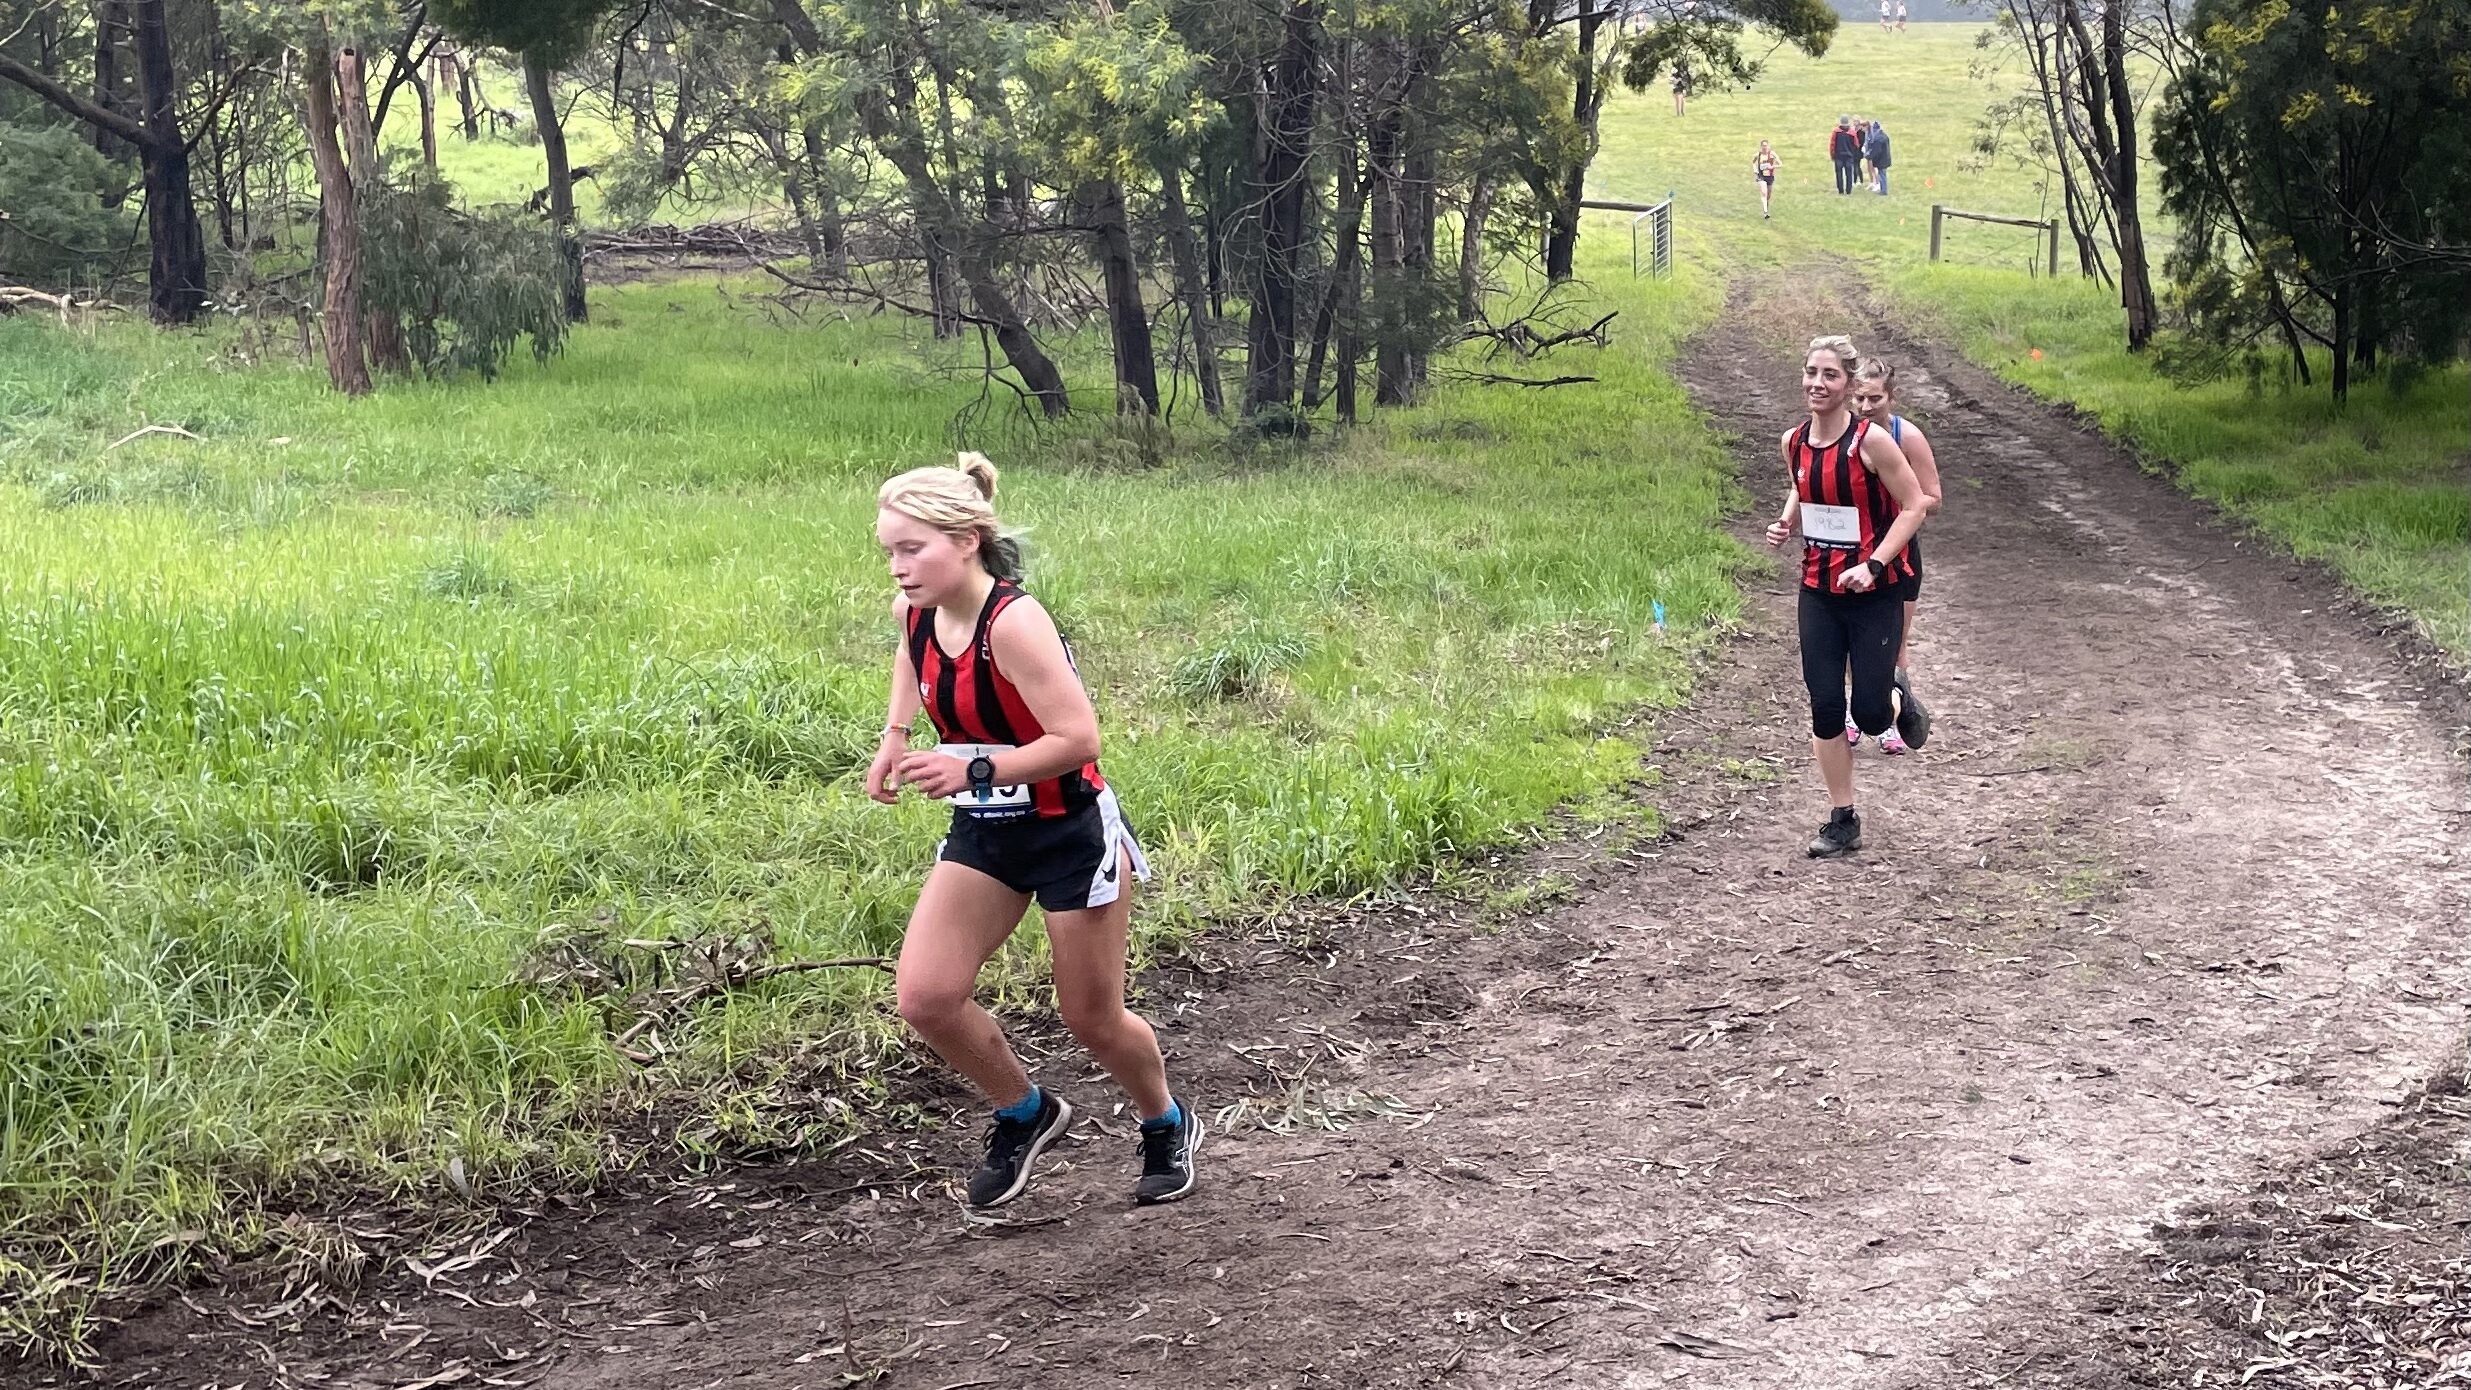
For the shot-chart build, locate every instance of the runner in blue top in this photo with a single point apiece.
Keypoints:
(1874, 399)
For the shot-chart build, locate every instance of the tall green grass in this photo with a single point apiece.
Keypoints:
(341, 746)
(2376, 490)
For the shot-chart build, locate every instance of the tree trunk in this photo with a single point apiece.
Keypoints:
(47, 41)
(960, 242)
(452, 70)
(1342, 276)
(226, 183)
(1350, 334)
(176, 275)
(176, 272)
(1128, 321)
(1561, 245)
(1214, 257)
(111, 20)
(387, 352)
(943, 286)
(1383, 165)
(2037, 43)
(1471, 248)
(340, 212)
(2136, 286)
(2342, 342)
(561, 181)
(2099, 95)
(428, 122)
(2370, 322)
(1185, 251)
(1282, 142)
(831, 229)
(1421, 208)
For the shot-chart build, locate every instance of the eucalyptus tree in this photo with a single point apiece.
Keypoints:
(161, 130)
(544, 35)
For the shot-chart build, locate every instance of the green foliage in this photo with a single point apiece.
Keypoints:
(1112, 95)
(56, 228)
(2308, 165)
(1707, 40)
(466, 285)
(553, 31)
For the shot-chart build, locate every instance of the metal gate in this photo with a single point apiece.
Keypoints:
(1658, 250)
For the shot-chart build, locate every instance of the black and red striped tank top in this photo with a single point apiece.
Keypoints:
(969, 700)
(1846, 510)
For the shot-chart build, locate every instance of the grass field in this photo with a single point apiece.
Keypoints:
(2375, 491)
(326, 732)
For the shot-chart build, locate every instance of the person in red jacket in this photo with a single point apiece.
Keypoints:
(1845, 151)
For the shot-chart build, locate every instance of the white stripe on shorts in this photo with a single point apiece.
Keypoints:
(1106, 886)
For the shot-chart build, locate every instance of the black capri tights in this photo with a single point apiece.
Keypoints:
(1860, 630)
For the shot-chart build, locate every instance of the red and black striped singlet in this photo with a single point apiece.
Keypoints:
(969, 701)
(1833, 475)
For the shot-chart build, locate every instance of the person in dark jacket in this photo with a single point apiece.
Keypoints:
(1875, 149)
(1846, 152)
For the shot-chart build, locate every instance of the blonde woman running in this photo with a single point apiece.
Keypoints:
(1858, 506)
(1763, 167)
(1016, 755)
(1874, 399)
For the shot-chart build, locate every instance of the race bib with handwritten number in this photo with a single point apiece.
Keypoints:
(1825, 525)
(994, 802)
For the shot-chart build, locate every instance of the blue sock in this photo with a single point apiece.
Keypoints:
(1173, 1117)
(1024, 1110)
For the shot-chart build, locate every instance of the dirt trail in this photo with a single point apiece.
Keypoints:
(2172, 899)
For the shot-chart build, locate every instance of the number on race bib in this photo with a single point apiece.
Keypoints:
(1826, 525)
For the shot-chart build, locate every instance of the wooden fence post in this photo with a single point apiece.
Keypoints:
(2054, 248)
(1935, 210)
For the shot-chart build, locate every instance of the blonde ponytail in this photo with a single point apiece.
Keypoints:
(981, 472)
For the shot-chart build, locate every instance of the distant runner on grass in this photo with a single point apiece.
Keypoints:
(1017, 756)
(1858, 505)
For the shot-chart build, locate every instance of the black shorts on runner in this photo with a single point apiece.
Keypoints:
(1909, 588)
(1068, 862)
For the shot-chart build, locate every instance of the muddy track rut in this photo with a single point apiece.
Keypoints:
(2175, 896)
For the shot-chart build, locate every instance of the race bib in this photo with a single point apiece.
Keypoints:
(994, 801)
(1826, 525)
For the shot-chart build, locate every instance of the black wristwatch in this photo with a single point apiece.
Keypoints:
(982, 774)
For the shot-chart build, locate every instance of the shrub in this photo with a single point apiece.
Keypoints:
(466, 285)
(56, 228)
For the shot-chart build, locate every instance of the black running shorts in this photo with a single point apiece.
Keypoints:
(1070, 862)
(1909, 588)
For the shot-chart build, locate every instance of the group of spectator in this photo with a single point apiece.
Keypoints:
(1860, 152)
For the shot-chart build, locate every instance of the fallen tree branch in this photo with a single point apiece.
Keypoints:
(737, 978)
(1497, 379)
(1520, 336)
(15, 296)
(860, 294)
(150, 429)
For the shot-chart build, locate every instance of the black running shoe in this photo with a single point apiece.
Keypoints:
(1912, 717)
(1841, 835)
(1167, 1158)
(1012, 1147)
